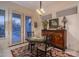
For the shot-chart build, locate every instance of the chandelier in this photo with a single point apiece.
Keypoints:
(40, 11)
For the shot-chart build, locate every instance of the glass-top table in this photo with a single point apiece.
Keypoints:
(36, 39)
(33, 41)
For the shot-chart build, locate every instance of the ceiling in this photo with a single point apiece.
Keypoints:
(48, 6)
(33, 4)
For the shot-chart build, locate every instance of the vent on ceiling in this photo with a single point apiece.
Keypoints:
(66, 12)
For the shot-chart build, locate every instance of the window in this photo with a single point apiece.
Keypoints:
(2, 23)
(16, 28)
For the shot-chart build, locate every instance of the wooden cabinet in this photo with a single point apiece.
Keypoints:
(58, 38)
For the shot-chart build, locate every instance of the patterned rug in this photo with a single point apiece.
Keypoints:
(59, 53)
(55, 53)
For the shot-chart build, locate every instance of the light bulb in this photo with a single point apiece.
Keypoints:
(42, 10)
(38, 11)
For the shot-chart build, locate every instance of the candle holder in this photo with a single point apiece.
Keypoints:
(64, 22)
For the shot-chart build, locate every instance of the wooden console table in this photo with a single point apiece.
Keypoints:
(58, 38)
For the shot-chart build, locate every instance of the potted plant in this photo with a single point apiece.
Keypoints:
(45, 23)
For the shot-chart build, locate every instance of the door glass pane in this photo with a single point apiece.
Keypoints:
(2, 23)
(28, 26)
(16, 28)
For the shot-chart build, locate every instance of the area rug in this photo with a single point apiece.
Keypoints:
(59, 53)
(55, 53)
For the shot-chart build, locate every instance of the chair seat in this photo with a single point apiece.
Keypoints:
(42, 50)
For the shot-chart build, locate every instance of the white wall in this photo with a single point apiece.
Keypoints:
(72, 31)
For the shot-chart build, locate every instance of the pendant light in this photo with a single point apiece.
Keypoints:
(40, 11)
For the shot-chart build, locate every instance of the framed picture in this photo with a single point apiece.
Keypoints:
(53, 23)
(35, 24)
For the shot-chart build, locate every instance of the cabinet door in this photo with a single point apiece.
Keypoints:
(58, 39)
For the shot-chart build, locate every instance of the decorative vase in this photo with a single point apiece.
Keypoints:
(45, 23)
(45, 28)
